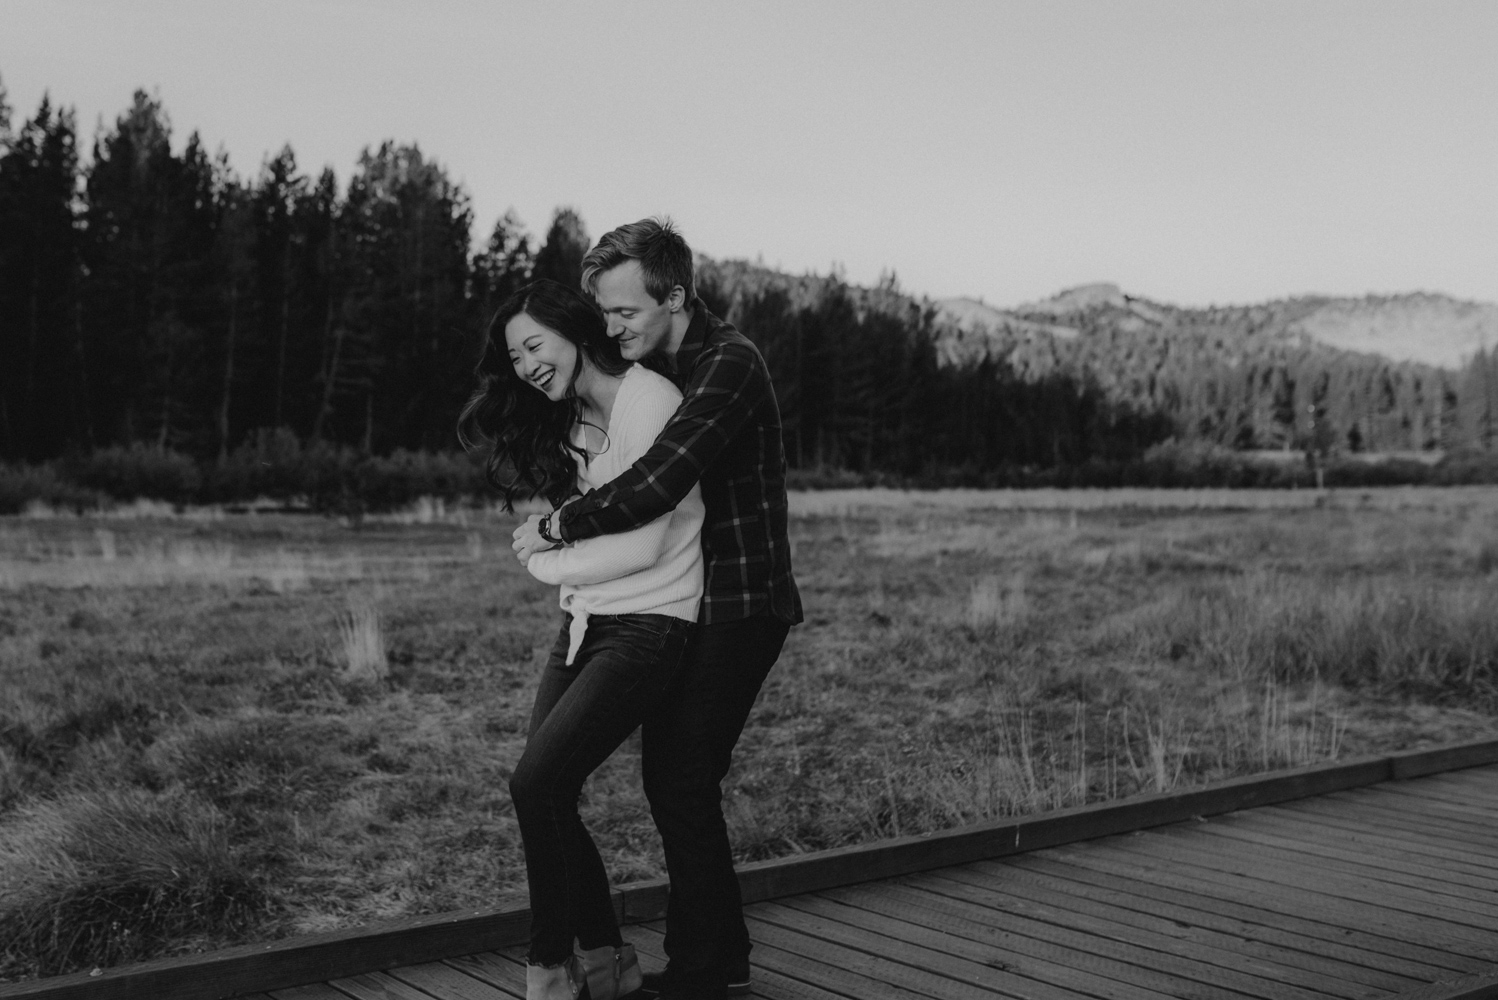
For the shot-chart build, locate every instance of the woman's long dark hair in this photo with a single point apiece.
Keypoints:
(530, 437)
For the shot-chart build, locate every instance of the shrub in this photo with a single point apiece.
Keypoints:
(268, 464)
(1467, 467)
(334, 479)
(108, 878)
(249, 766)
(23, 485)
(136, 472)
(404, 477)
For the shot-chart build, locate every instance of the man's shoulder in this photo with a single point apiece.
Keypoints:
(723, 342)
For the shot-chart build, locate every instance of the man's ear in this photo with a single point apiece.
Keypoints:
(676, 298)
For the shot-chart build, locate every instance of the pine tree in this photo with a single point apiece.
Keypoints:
(40, 391)
(561, 258)
(505, 263)
(411, 339)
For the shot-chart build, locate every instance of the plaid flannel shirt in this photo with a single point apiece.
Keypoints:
(725, 435)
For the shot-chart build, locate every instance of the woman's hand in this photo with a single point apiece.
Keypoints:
(528, 540)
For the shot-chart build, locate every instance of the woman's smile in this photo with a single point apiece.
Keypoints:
(541, 356)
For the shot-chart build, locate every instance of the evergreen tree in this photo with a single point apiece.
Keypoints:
(505, 263)
(278, 245)
(39, 387)
(151, 218)
(411, 342)
(561, 258)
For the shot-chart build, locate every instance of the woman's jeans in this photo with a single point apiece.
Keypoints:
(582, 713)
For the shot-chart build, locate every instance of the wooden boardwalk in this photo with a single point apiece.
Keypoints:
(1385, 889)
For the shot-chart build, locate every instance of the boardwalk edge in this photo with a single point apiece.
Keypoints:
(317, 958)
(1483, 986)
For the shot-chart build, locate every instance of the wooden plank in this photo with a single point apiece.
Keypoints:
(378, 986)
(1255, 975)
(1455, 817)
(1479, 783)
(1286, 927)
(1455, 918)
(768, 984)
(501, 972)
(842, 981)
(839, 972)
(1352, 837)
(1421, 795)
(1365, 869)
(1165, 911)
(1474, 788)
(1476, 784)
(1477, 778)
(1031, 898)
(1455, 857)
(1382, 864)
(1414, 764)
(1335, 880)
(1289, 899)
(1072, 940)
(314, 991)
(442, 980)
(1479, 987)
(1080, 969)
(1393, 821)
(904, 966)
(1350, 913)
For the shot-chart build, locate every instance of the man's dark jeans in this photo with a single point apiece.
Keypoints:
(688, 743)
(582, 713)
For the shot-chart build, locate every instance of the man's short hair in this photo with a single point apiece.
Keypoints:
(664, 257)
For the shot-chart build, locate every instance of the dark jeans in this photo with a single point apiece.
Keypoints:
(582, 713)
(688, 745)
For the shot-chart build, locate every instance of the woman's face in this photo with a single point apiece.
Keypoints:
(543, 358)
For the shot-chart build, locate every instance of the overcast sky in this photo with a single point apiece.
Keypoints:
(1193, 152)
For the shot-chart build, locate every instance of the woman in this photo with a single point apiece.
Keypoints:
(565, 413)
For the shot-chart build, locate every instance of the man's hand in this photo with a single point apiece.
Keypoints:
(528, 540)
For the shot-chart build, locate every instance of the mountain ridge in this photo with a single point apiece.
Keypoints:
(1407, 372)
(1428, 328)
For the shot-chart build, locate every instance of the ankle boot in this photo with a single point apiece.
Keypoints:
(610, 973)
(551, 982)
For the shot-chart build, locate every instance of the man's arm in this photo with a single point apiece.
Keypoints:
(728, 383)
(608, 557)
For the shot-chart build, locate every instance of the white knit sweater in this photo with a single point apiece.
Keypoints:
(656, 568)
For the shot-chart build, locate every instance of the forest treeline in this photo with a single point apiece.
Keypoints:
(155, 303)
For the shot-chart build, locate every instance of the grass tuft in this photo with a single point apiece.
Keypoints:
(105, 878)
(1404, 637)
(992, 605)
(363, 640)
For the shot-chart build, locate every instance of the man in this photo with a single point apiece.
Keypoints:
(726, 434)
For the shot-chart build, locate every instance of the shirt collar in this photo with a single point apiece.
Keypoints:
(696, 337)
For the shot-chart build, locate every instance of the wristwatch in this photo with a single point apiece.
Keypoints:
(544, 528)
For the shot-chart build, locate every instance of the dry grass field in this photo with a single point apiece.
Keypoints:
(225, 728)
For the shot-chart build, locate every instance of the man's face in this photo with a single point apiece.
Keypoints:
(640, 324)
